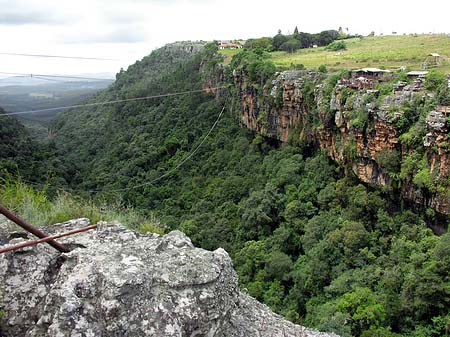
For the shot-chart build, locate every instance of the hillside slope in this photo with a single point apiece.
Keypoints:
(19, 154)
(306, 236)
(390, 52)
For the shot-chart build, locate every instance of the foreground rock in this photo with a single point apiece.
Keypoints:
(116, 282)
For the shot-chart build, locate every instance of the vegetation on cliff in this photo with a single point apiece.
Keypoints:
(20, 154)
(307, 237)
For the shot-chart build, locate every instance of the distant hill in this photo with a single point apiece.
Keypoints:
(23, 94)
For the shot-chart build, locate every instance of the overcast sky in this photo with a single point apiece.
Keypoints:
(127, 30)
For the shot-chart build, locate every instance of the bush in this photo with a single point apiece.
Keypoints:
(389, 160)
(323, 68)
(434, 80)
(336, 45)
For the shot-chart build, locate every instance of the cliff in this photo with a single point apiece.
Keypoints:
(375, 134)
(116, 282)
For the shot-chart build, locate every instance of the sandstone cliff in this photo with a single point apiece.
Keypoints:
(116, 282)
(353, 127)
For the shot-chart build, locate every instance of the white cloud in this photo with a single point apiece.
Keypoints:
(130, 29)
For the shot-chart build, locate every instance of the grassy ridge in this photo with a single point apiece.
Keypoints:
(379, 51)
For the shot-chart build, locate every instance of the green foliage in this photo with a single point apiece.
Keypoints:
(336, 46)
(19, 153)
(363, 309)
(37, 208)
(443, 94)
(389, 160)
(263, 43)
(260, 71)
(323, 68)
(255, 66)
(305, 238)
(434, 80)
(290, 45)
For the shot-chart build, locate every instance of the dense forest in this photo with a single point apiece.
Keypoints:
(20, 155)
(307, 238)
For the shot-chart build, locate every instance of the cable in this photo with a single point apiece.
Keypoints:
(58, 76)
(46, 79)
(59, 56)
(109, 102)
(173, 169)
(190, 155)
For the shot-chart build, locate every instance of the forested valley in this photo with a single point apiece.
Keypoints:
(306, 236)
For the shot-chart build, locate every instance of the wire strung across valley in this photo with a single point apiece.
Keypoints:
(56, 76)
(59, 56)
(111, 102)
(151, 182)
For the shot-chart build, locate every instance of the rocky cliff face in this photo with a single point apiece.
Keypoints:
(287, 109)
(116, 282)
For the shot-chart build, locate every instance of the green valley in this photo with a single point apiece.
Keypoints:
(308, 237)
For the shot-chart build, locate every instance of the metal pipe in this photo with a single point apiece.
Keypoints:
(11, 216)
(46, 239)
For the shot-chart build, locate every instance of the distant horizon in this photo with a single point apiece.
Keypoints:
(128, 30)
(112, 73)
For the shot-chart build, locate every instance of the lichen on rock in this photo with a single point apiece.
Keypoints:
(116, 282)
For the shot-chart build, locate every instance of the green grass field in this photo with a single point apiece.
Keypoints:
(380, 51)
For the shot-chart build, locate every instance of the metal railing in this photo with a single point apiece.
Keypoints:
(41, 235)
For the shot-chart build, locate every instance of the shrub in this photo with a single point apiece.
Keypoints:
(389, 160)
(336, 45)
(323, 68)
(434, 80)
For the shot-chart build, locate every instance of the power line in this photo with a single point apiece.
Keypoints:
(192, 153)
(109, 102)
(175, 168)
(56, 76)
(59, 56)
(46, 79)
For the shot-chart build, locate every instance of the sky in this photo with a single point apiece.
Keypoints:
(127, 30)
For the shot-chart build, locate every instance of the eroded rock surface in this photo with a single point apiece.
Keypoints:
(116, 282)
(287, 109)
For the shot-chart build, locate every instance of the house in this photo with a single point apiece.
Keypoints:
(229, 45)
(417, 73)
(369, 73)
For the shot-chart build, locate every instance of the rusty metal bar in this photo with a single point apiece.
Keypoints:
(46, 239)
(11, 216)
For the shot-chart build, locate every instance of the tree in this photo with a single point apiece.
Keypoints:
(363, 308)
(290, 45)
(306, 40)
(326, 37)
(278, 40)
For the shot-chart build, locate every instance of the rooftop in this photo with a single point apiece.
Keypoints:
(417, 73)
(371, 70)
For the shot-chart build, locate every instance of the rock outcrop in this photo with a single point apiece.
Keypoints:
(353, 131)
(116, 282)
